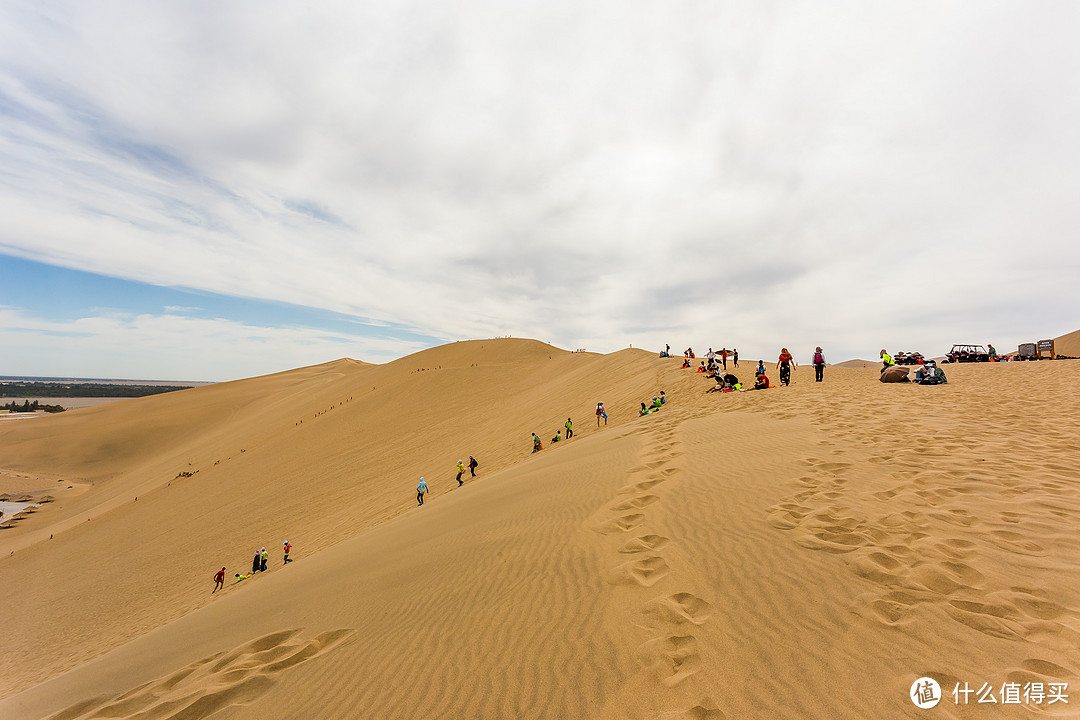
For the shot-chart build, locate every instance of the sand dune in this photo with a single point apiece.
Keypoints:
(800, 552)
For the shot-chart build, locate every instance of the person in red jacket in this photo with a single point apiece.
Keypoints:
(786, 362)
(219, 580)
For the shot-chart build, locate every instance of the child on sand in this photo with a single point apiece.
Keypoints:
(287, 547)
(420, 490)
(219, 580)
(762, 382)
(240, 577)
(663, 397)
(460, 472)
(558, 436)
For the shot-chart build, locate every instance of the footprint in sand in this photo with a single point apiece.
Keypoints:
(705, 710)
(677, 609)
(673, 658)
(626, 523)
(640, 486)
(645, 572)
(644, 543)
(635, 503)
(203, 688)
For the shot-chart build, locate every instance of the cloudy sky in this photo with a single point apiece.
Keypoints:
(207, 190)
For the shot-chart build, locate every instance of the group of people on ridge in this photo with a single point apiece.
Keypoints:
(258, 564)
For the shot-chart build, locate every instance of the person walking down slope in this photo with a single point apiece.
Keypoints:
(886, 360)
(786, 362)
(287, 547)
(473, 465)
(420, 490)
(263, 557)
(460, 472)
(569, 429)
(219, 580)
(819, 365)
(537, 445)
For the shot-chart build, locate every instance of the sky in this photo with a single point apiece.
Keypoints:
(208, 191)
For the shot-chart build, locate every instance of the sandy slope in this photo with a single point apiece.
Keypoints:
(802, 552)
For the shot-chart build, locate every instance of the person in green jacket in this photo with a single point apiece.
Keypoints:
(569, 429)
(886, 359)
(460, 472)
(240, 577)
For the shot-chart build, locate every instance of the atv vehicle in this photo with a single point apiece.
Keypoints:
(968, 353)
(906, 358)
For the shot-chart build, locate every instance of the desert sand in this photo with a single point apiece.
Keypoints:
(800, 552)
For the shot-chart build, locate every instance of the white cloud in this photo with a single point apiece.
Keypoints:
(586, 173)
(176, 347)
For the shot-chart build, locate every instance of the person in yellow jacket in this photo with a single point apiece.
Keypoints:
(886, 358)
(460, 470)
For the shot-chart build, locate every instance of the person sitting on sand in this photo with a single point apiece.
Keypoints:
(886, 359)
(930, 374)
(663, 397)
(644, 410)
(731, 381)
(656, 403)
(690, 353)
(240, 577)
(537, 445)
(558, 436)
(701, 367)
(762, 382)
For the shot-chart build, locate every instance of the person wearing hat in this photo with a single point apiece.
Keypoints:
(460, 471)
(420, 490)
(819, 364)
(886, 359)
(287, 547)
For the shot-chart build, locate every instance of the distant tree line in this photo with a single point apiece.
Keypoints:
(46, 389)
(28, 406)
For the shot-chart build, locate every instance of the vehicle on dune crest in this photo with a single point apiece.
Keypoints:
(968, 353)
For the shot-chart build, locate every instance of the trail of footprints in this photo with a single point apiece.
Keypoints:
(673, 655)
(206, 686)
